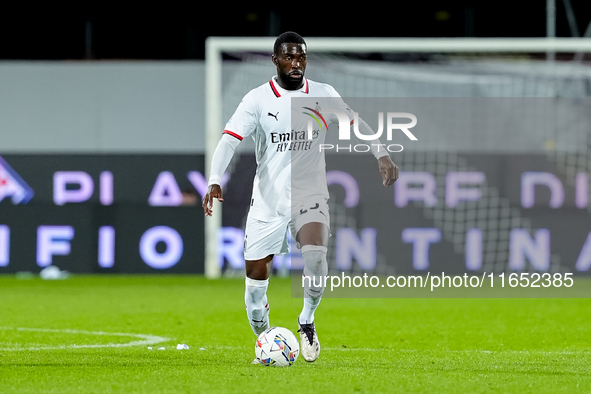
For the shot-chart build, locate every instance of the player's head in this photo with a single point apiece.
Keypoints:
(289, 55)
(286, 38)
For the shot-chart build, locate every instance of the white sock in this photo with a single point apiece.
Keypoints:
(257, 307)
(315, 268)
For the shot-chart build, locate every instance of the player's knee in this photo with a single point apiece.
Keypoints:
(258, 269)
(313, 234)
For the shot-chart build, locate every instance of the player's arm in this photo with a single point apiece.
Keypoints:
(242, 124)
(221, 158)
(388, 170)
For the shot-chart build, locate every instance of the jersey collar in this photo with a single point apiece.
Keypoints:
(279, 91)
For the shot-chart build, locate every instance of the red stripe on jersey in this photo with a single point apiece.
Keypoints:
(274, 88)
(232, 134)
(307, 86)
(353, 120)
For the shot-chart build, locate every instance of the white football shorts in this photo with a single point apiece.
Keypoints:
(264, 238)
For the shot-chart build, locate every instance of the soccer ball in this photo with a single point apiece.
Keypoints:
(277, 346)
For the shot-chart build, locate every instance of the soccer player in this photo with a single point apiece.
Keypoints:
(282, 198)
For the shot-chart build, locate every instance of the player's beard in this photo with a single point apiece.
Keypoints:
(292, 83)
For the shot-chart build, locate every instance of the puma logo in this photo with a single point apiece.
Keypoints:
(275, 116)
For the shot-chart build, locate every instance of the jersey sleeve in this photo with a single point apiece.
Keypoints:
(377, 148)
(221, 158)
(337, 102)
(245, 119)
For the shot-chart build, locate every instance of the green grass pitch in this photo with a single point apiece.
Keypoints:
(75, 336)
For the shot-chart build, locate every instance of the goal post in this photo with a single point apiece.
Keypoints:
(216, 46)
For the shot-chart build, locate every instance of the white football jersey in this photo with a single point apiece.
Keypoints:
(290, 166)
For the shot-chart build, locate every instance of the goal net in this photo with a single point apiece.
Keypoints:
(436, 70)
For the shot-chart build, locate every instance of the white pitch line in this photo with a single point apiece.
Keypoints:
(145, 340)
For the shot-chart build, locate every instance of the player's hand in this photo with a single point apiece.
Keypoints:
(213, 191)
(389, 170)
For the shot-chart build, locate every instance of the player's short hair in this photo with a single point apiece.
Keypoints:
(288, 36)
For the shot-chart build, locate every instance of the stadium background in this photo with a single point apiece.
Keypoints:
(103, 115)
(117, 102)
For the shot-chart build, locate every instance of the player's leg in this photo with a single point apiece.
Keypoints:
(311, 227)
(263, 239)
(255, 295)
(313, 238)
